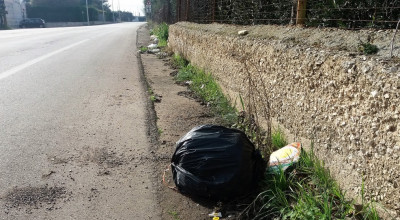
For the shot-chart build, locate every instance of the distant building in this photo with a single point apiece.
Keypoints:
(16, 12)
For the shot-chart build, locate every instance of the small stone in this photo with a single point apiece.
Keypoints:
(243, 32)
(386, 96)
(390, 128)
(372, 143)
(374, 93)
(365, 69)
(393, 69)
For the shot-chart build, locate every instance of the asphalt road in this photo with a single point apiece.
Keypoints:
(73, 141)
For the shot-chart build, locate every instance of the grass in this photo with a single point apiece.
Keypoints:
(278, 139)
(161, 31)
(206, 88)
(178, 62)
(368, 48)
(174, 215)
(143, 49)
(305, 191)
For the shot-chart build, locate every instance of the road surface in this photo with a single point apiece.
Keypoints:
(73, 141)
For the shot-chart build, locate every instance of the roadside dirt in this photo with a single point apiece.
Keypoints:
(176, 112)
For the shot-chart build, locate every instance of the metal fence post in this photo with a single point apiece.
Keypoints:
(301, 12)
(178, 10)
(187, 9)
(213, 10)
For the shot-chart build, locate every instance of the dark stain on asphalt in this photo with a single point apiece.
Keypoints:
(105, 158)
(34, 197)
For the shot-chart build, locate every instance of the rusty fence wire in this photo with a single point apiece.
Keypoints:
(381, 14)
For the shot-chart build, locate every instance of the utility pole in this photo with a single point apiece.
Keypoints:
(301, 12)
(102, 7)
(119, 12)
(87, 13)
(112, 5)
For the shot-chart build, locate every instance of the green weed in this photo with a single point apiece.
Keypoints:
(143, 49)
(174, 215)
(179, 62)
(162, 43)
(162, 32)
(368, 48)
(304, 191)
(206, 88)
(278, 139)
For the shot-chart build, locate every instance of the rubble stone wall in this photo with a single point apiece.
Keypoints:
(320, 88)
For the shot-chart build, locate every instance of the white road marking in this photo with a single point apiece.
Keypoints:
(16, 69)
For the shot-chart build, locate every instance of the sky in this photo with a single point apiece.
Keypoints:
(134, 6)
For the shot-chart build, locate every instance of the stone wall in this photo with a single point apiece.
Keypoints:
(320, 87)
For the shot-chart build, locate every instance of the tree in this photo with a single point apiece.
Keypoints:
(125, 15)
(3, 13)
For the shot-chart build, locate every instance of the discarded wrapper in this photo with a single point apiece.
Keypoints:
(284, 157)
(215, 214)
(152, 46)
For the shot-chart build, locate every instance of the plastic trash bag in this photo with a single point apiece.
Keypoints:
(216, 162)
(284, 157)
(152, 46)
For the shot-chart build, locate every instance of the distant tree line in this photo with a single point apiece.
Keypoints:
(74, 11)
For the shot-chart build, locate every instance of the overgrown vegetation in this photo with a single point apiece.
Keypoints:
(304, 191)
(278, 139)
(161, 31)
(206, 88)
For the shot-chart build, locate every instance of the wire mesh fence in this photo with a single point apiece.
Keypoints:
(357, 14)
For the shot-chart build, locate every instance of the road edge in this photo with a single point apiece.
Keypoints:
(151, 125)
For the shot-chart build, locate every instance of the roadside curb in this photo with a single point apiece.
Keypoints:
(151, 115)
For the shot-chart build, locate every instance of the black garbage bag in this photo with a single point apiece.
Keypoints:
(216, 162)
